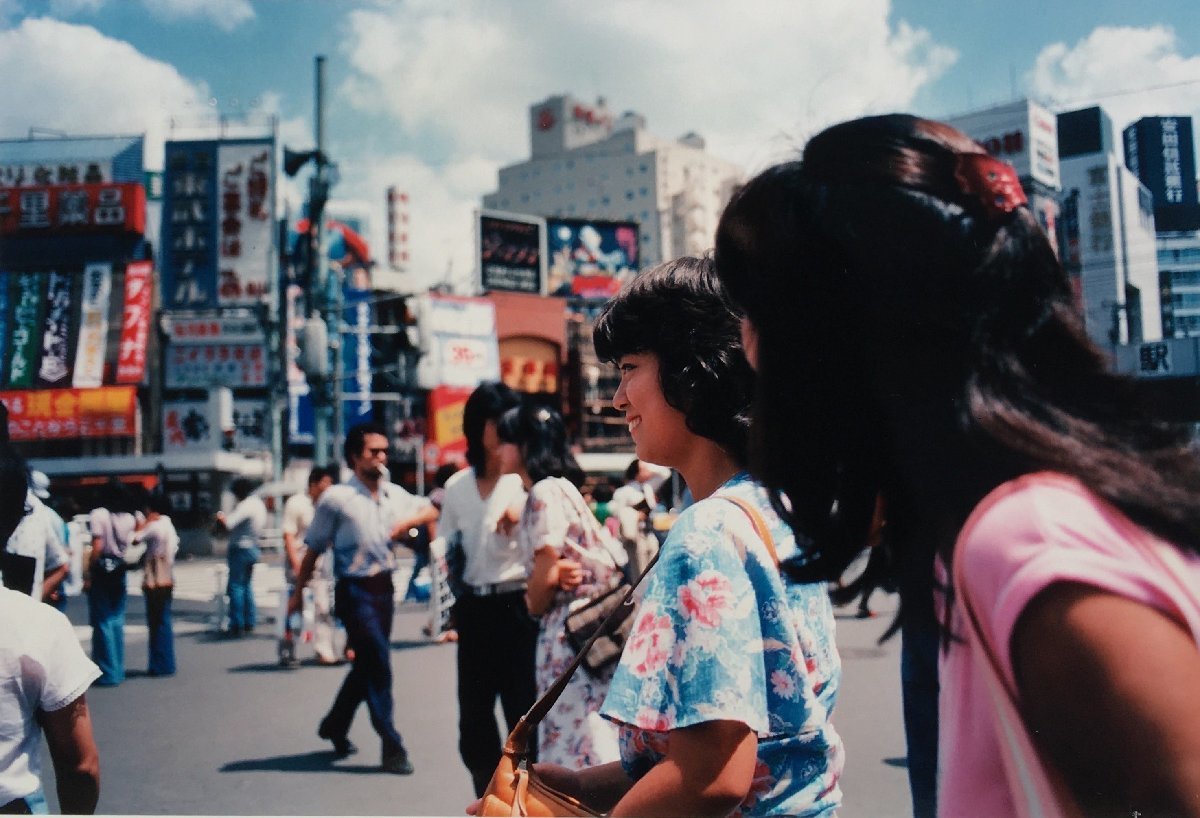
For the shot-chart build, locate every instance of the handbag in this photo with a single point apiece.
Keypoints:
(515, 788)
(607, 618)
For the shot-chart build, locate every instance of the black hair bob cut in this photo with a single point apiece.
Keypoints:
(679, 312)
(487, 402)
(541, 435)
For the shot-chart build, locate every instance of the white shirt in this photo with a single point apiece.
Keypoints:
(40, 536)
(42, 667)
(247, 522)
(297, 517)
(491, 557)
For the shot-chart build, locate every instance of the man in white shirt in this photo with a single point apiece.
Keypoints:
(246, 524)
(44, 675)
(39, 539)
(297, 516)
(496, 635)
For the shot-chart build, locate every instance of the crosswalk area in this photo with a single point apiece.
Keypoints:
(204, 580)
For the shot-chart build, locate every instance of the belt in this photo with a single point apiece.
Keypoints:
(497, 588)
(380, 583)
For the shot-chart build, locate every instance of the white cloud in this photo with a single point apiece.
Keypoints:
(754, 78)
(1130, 72)
(74, 79)
(226, 14)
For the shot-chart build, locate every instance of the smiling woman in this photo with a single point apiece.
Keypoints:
(725, 691)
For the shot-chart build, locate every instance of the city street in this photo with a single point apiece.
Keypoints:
(233, 733)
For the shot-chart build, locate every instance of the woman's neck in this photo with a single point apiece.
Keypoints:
(707, 468)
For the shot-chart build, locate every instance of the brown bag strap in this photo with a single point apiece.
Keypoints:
(518, 739)
(760, 525)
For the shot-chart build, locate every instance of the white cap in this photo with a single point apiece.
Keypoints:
(40, 484)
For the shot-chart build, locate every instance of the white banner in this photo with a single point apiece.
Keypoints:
(193, 426)
(461, 338)
(93, 326)
(222, 329)
(245, 222)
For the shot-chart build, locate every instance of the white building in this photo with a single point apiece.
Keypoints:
(1109, 236)
(1179, 276)
(586, 163)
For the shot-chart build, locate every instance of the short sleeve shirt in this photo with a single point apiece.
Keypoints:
(42, 668)
(358, 526)
(1026, 535)
(720, 638)
(40, 537)
(491, 556)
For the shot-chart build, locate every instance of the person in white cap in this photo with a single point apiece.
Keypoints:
(39, 540)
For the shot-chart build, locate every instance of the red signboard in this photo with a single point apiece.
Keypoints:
(55, 414)
(51, 209)
(135, 323)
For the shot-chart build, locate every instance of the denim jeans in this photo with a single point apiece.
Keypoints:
(242, 613)
(106, 613)
(162, 637)
(367, 614)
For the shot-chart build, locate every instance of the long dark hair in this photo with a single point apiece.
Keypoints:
(541, 435)
(678, 312)
(917, 344)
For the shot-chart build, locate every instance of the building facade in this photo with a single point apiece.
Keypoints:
(1108, 240)
(1161, 151)
(587, 163)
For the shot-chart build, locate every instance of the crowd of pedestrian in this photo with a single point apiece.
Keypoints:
(882, 355)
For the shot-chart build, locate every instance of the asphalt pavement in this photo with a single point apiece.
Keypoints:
(232, 733)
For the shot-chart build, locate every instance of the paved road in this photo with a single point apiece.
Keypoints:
(234, 734)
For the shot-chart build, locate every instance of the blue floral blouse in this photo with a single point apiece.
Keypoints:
(719, 638)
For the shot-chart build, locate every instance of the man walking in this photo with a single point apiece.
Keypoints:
(246, 525)
(297, 516)
(361, 520)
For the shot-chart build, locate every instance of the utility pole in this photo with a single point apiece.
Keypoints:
(326, 392)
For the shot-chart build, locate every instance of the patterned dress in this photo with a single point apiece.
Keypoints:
(556, 516)
(719, 638)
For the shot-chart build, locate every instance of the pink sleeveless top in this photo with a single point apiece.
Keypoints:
(1026, 535)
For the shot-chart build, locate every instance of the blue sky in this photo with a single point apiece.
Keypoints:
(431, 95)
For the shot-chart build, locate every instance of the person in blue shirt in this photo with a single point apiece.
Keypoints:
(360, 520)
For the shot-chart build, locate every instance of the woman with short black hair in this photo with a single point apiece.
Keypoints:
(572, 559)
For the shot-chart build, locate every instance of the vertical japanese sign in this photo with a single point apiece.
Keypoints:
(135, 323)
(28, 299)
(246, 225)
(55, 368)
(189, 214)
(5, 323)
(93, 326)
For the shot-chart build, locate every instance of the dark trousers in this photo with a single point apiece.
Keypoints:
(162, 637)
(106, 613)
(919, 687)
(242, 613)
(366, 609)
(496, 649)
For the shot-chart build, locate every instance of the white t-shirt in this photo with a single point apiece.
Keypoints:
(297, 517)
(42, 668)
(40, 536)
(491, 557)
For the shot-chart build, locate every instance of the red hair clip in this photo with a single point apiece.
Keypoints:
(993, 182)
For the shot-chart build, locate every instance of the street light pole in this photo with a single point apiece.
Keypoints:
(324, 392)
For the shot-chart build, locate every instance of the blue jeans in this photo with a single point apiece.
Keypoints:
(415, 592)
(366, 609)
(920, 638)
(242, 613)
(106, 613)
(162, 637)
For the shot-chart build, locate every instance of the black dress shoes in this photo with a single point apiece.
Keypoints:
(342, 746)
(397, 763)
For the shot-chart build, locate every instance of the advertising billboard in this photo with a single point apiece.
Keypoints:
(58, 414)
(458, 339)
(590, 258)
(512, 253)
(73, 209)
(218, 235)
(1161, 153)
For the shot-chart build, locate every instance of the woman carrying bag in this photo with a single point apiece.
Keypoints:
(724, 694)
(572, 561)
